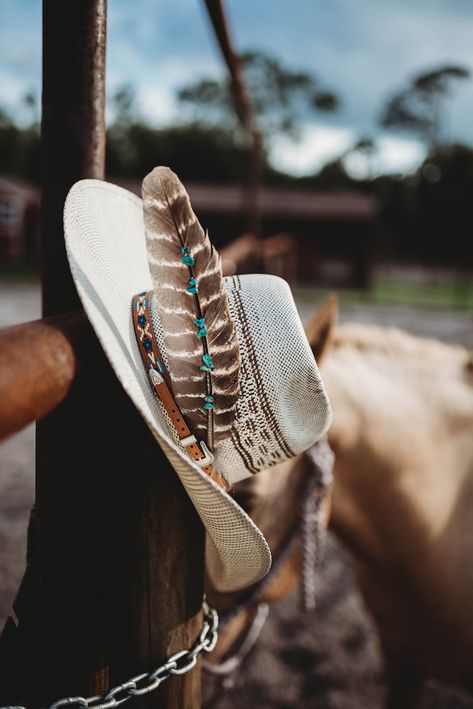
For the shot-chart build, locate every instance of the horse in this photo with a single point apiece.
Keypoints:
(402, 435)
(403, 490)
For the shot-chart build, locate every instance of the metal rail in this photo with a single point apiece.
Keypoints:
(38, 363)
(245, 113)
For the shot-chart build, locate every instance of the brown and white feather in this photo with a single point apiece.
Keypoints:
(170, 224)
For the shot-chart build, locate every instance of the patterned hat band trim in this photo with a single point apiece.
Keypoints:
(159, 379)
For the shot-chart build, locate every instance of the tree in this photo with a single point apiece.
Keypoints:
(365, 148)
(420, 107)
(280, 97)
(19, 148)
(134, 146)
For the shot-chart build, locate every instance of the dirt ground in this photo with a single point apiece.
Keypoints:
(329, 659)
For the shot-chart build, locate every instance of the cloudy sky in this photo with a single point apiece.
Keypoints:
(363, 49)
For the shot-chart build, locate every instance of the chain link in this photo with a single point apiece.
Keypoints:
(178, 664)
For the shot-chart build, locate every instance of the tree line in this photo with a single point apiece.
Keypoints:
(419, 214)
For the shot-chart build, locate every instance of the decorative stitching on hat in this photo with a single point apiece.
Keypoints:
(265, 402)
(243, 446)
(243, 451)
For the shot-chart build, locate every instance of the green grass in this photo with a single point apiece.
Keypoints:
(446, 295)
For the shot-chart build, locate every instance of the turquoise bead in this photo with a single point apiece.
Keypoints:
(191, 282)
(200, 322)
(184, 249)
(193, 291)
(202, 332)
(188, 260)
(209, 399)
(208, 405)
(207, 359)
(204, 368)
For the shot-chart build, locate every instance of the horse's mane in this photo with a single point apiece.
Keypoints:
(394, 342)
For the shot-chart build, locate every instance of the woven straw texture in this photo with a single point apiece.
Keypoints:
(282, 410)
(107, 255)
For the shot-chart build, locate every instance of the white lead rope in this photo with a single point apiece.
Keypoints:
(312, 531)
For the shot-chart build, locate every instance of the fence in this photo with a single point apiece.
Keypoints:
(115, 571)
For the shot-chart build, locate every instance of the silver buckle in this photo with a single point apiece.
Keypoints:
(188, 441)
(208, 456)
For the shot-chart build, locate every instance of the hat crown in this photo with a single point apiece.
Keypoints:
(282, 409)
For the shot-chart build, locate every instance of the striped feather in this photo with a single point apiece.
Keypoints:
(171, 224)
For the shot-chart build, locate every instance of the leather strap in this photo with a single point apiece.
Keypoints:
(161, 384)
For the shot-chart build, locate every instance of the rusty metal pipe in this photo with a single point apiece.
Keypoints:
(244, 111)
(38, 363)
(241, 96)
(72, 127)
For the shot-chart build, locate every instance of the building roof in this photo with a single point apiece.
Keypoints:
(277, 202)
(230, 200)
(15, 186)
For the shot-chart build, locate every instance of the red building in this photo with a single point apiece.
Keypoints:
(307, 236)
(19, 221)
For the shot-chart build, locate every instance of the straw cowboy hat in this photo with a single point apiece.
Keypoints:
(220, 369)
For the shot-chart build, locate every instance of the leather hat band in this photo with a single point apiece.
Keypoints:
(161, 384)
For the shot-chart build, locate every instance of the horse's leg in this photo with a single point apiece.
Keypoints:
(405, 683)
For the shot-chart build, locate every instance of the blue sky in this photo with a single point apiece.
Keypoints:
(364, 49)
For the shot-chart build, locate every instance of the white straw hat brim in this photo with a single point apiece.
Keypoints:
(107, 254)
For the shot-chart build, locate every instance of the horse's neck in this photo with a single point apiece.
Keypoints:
(403, 419)
(382, 376)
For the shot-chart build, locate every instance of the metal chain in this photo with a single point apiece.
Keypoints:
(235, 660)
(178, 664)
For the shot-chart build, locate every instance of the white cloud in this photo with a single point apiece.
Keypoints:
(392, 155)
(157, 105)
(321, 144)
(317, 146)
(156, 85)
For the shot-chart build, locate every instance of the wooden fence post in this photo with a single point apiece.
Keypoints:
(115, 576)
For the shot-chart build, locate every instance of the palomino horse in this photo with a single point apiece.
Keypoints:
(403, 443)
(403, 493)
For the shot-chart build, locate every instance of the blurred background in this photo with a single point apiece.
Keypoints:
(363, 114)
(353, 172)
